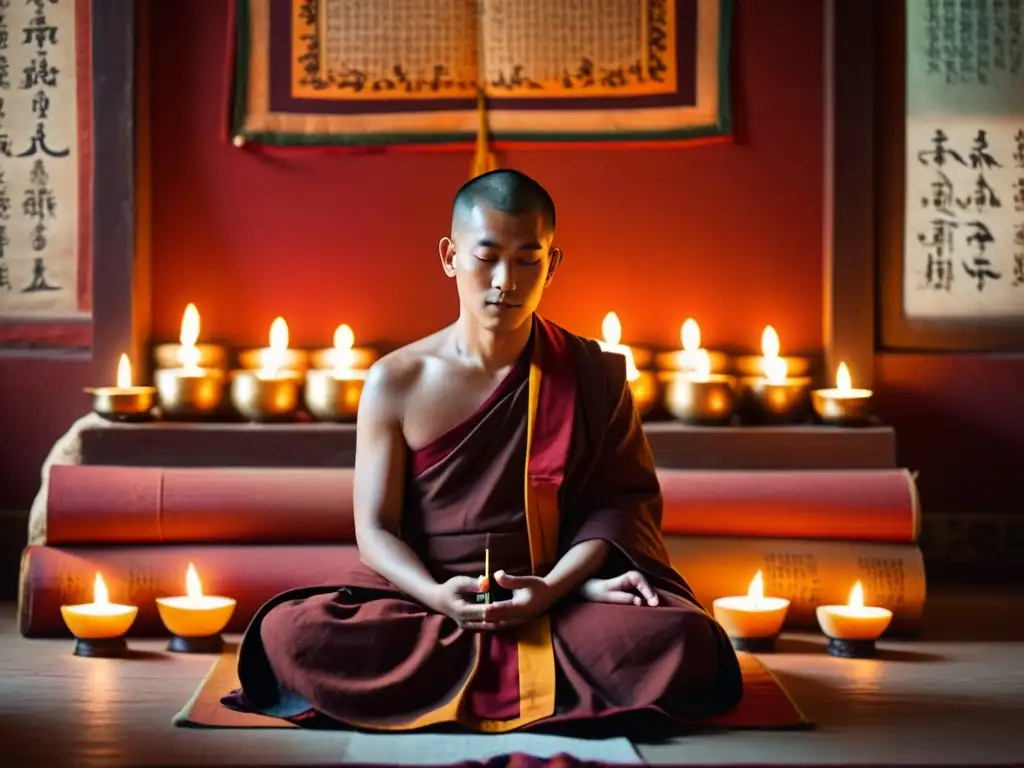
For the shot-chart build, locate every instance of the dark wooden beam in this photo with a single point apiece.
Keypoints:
(120, 282)
(848, 236)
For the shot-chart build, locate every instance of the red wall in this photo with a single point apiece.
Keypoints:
(730, 234)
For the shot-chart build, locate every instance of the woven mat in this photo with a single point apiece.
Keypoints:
(765, 705)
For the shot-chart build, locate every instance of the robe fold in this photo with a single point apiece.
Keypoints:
(554, 457)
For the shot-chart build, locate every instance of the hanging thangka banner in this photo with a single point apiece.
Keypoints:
(45, 173)
(386, 72)
(964, 224)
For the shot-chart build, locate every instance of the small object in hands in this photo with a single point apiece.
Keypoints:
(485, 596)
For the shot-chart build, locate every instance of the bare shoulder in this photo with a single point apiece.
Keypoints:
(396, 375)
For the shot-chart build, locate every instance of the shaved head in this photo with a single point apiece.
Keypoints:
(506, 191)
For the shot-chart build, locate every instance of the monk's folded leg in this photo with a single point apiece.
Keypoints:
(364, 661)
(672, 657)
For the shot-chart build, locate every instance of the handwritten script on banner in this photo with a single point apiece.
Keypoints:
(39, 162)
(381, 72)
(964, 225)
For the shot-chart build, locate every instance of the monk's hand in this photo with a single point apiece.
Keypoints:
(631, 588)
(456, 598)
(531, 597)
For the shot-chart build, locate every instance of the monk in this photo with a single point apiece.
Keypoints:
(507, 515)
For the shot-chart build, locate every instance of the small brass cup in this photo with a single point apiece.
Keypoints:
(123, 403)
(775, 402)
(265, 398)
(331, 397)
(700, 400)
(188, 393)
(209, 356)
(842, 409)
(644, 389)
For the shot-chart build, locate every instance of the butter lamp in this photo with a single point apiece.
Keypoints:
(195, 620)
(123, 402)
(272, 391)
(99, 627)
(853, 629)
(332, 393)
(842, 405)
(194, 384)
(643, 384)
(752, 621)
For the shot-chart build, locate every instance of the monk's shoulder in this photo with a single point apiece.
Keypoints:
(394, 376)
(595, 364)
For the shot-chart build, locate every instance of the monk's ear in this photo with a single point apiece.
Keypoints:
(446, 250)
(554, 259)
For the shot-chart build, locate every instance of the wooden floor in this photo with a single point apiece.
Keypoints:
(954, 696)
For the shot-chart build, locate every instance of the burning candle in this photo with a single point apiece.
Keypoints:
(343, 354)
(332, 394)
(195, 620)
(270, 391)
(188, 352)
(123, 402)
(278, 357)
(99, 626)
(769, 364)
(698, 396)
(642, 384)
(187, 388)
(752, 621)
(692, 357)
(774, 395)
(842, 405)
(852, 629)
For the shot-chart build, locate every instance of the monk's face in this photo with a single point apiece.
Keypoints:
(501, 263)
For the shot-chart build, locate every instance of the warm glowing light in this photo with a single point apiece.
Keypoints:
(188, 352)
(701, 364)
(857, 596)
(690, 335)
(756, 591)
(775, 368)
(273, 358)
(193, 587)
(611, 329)
(342, 357)
(843, 381)
(124, 373)
(770, 342)
(100, 595)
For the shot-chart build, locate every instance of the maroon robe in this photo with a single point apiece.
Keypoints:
(364, 654)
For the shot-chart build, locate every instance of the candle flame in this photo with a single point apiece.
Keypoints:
(342, 358)
(756, 591)
(189, 326)
(193, 587)
(611, 328)
(690, 335)
(124, 372)
(273, 358)
(343, 337)
(188, 353)
(857, 596)
(843, 380)
(702, 363)
(99, 591)
(770, 342)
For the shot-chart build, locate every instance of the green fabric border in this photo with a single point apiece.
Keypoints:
(723, 126)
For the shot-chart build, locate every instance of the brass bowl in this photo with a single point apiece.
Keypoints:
(292, 360)
(259, 398)
(330, 398)
(681, 360)
(837, 408)
(774, 402)
(750, 366)
(644, 389)
(362, 358)
(710, 400)
(123, 403)
(210, 356)
(185, 393)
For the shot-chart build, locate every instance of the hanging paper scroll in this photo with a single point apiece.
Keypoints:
(964, 225)
(383, 72)
(45, 173)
